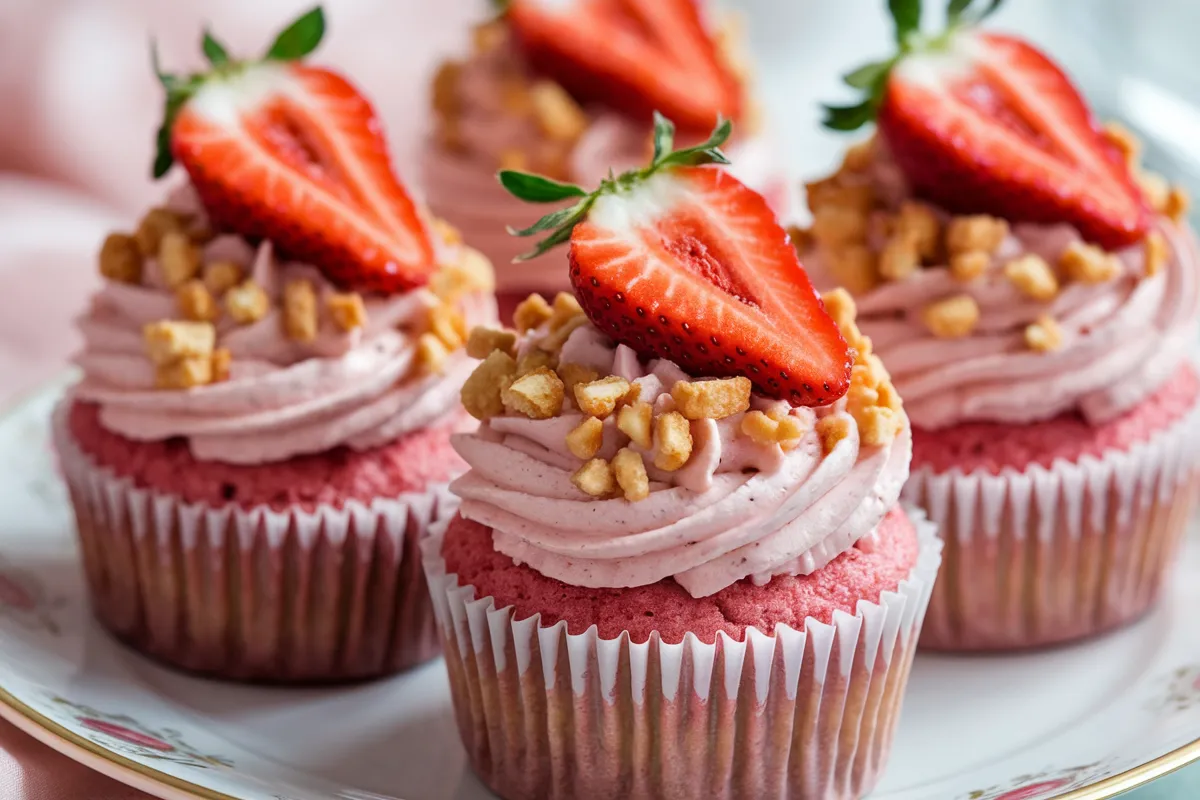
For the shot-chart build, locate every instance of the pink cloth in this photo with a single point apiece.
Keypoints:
(29, 770)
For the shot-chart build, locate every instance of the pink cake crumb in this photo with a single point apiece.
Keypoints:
(330, 478)
(993, 446)
(667, 608)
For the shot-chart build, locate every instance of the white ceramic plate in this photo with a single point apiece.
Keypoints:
(1083, 722)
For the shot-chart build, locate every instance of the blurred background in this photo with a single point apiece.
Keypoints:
(80, 105)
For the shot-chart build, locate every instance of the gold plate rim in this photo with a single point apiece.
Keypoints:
(63, 740)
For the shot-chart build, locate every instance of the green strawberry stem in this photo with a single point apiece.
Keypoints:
(540, 189)
(293, 43)
(871, 79)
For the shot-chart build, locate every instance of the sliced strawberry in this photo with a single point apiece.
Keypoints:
(294, 154)
(635, 55)
(996, 127)
(691, 265)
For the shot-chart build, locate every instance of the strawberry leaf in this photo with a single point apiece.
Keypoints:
(955, 9)
(213, 50)
(992, 7)
(869, 77)
(907, 15)
(300, 38)
(537, 188)
(664, 137)
(562, 234)
(555, 219)
(849, 118)
(707, 152)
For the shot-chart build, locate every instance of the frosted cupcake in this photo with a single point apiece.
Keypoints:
(270, 376)
(679, 543)
(1035, 295)
(568, 92)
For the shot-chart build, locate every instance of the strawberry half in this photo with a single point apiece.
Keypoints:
(635, 55)
(985, 123)
(682, 261)
(291, 153)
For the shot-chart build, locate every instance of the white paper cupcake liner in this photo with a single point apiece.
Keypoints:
(1041, 556)
(331, 594)
(796, 714)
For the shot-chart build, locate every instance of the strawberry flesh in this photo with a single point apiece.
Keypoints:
(634, 55)
(692, 266)
(295, 154)
(996, 127)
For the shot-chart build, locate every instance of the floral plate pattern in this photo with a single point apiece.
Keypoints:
(1080, 722)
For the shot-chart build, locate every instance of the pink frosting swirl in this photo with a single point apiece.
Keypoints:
(737, 509)
(1122, 339)
(284, 398)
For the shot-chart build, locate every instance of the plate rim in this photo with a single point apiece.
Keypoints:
(153, 781)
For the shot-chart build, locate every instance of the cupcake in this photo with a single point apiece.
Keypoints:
(679, 569)
(1034, 293)
(261, 435)
(568, 92)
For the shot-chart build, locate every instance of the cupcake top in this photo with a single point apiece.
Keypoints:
(290, 297)
(567, 90)
(696, 412)
(1010, 266)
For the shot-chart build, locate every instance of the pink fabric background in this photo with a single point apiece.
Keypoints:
(80, 107)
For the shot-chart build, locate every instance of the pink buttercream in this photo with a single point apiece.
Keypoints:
(283, 398)
(461, 184)
(1122, 339)
(858, 574)
(736, 510)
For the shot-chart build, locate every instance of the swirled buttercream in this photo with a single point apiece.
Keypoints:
(357, 388)
(738, 509)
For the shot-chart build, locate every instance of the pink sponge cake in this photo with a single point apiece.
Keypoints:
(261, 436)
(862, 573)
(1035, 294)
(683, 491)
(567, 90)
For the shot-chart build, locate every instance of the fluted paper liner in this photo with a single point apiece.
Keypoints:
(330, 594)
(1042, 555)
(796, 714)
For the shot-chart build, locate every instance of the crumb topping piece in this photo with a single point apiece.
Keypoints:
(481, 392)
(196, 302)
(1154, 252)
(585, 439)
(1033, 277)
(179, 258)
(482, 341)
(672, 441)
(1043, 335)
(347, 310)
(300, 310)
(221, 276)
(970, 265)
(247, 303)
(120, 259)
(712, 399)
(636, 421)
(1087, 263)
(182, 352)
(595, 478)
(531, 313)
(952, 317)
(832, 430)
(630, 472)
(976, 233)
(537, 394)
(601, 397)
